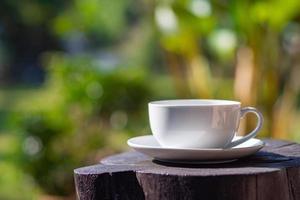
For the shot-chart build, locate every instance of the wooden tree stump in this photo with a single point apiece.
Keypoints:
(272, 173)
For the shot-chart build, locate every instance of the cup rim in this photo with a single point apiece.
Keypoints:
(193, 102)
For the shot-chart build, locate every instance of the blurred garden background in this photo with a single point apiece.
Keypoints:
(76, 76)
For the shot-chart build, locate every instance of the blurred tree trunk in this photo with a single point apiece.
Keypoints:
(285, 108)
(176, 70)
(244, 80)
(190, 71)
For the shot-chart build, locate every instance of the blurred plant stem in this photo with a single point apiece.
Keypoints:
(244, 80)
(244, 76)
(199, 77)
(191, 75)
(285, 107)
(190, 70)
(176, 71)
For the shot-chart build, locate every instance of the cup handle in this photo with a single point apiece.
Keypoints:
(253, 133)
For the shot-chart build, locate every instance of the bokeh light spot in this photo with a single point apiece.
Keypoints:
(118, 119)
(223, 40)
(32, 145)
(200, 8)
(166, 19)
(94, 90)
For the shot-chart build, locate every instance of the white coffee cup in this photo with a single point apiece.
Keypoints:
(194, 123)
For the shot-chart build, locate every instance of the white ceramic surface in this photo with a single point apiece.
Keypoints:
(198, 123)
(149, 146)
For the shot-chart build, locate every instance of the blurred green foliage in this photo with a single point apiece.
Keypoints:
(93, 17)
(90, 85)
(118, 55)
(92, 107)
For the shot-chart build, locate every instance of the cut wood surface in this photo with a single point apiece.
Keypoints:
(270, 174)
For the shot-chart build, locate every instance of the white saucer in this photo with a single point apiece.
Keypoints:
(149, 146)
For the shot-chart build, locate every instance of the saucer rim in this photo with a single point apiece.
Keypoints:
(134, 145)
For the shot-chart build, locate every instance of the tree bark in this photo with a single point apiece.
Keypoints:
(272, 173)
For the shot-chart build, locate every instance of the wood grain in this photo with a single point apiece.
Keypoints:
(272, 173)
